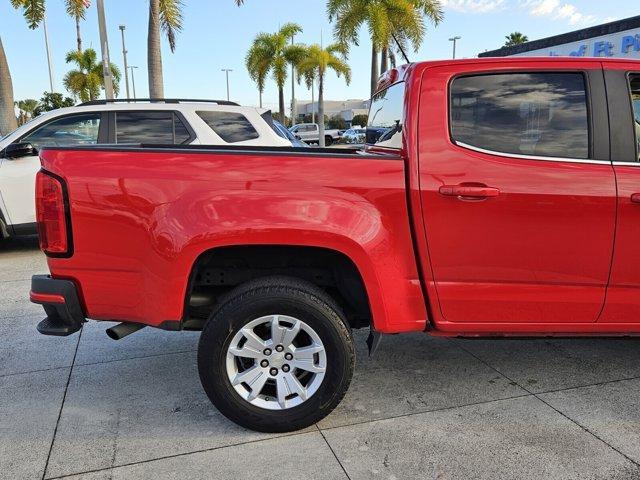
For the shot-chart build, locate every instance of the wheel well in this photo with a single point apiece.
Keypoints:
(219, 270)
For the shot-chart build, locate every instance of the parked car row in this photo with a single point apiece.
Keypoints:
(166, 122)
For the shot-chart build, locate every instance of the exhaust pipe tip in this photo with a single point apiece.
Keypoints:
(121, 330)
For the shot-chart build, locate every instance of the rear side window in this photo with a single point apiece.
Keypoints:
(229, 126)
(542, 114)
(150, 127)
(635, 100)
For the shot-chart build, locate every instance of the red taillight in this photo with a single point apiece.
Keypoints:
(51, 215)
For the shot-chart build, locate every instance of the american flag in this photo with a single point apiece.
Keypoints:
(86, 3)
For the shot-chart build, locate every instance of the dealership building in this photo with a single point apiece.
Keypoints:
(616, 39)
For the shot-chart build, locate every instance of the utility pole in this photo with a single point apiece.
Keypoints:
(104, 46)
(226, 71)
(454, 40)
(124, 55)
(46, 43)
(293, 93)
(133, 80)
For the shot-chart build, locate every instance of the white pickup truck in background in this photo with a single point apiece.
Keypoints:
(308, 132)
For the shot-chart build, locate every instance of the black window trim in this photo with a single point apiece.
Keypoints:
(598, 147)
(175, 113)
(636, 141)
(102, 128)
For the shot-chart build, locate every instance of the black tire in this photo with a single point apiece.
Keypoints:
(328, 141)
(267, 296)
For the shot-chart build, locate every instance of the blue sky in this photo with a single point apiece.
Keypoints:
(217, 35)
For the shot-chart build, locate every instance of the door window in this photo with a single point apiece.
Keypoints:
(71, 130)
(635, 100)
(151, 127)
(229, 126)
(542, 114)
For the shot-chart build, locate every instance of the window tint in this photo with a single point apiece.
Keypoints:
(72, 130)
(541, 114)
(150, 127)
(229, 126)
(635, 99)
(384, 125)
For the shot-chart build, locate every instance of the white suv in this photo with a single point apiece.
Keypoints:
(177, 122)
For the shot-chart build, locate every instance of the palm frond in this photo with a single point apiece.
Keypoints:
(171, 20)
(75, 8)
(32, 10)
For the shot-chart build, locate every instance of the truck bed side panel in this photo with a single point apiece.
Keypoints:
(140, 218)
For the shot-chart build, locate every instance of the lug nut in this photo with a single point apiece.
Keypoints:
(279, 348)
(264, 363)
(267, 351)
(273, 372)
(288, 356)
(285, 368)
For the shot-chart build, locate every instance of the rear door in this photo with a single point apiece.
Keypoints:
(623, 91)
(518, 192)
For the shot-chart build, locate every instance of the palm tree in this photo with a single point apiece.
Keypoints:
(76, 9)
(26, 108)
(515, 38)
(33, 11)
(388, 22)
(165, 15)
(86, 81)
(315, 63)
(272, 52)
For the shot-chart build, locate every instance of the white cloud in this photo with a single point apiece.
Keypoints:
(473, 6)
(557, 10)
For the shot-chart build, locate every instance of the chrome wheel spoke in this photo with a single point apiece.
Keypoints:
(308, 365)
(283, 390)
(245, 352)
(295, 386)
(282, 335)
(253, 341)
(257, 385)
(248, 376)
(307, 353)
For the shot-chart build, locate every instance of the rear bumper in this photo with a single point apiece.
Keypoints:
(59, 298)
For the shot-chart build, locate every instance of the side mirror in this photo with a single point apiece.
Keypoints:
(23, 149)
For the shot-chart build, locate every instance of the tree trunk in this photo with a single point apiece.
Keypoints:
(8, 121)
(281, 104)
(78, 38)
(392, 59)
(260, 92)
(384, 60)
(321, 110)
(154, 56)
(374, 69)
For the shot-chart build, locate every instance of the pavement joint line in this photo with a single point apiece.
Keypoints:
(578, 424)
(333, 452)
(14, 374)
(176, 455)
(140, 357)
(64, 398)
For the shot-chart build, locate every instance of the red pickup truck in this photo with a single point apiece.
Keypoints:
(494, 197)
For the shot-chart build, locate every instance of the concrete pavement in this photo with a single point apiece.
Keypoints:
(86, 407)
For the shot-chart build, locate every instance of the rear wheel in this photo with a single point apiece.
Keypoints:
(328, 140)
(276, 355)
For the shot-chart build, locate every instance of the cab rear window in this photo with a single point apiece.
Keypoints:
(386, 115)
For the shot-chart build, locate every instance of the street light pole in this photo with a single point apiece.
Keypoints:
(226, 71)
(124, 55)
(46, 43)
(133, 80)
(104, 46)
(454, 40)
